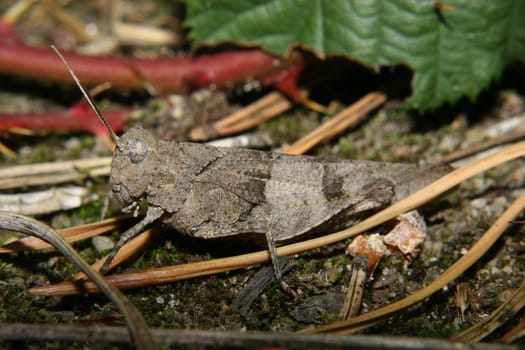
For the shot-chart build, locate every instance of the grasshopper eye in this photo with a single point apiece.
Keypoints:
(138, 150)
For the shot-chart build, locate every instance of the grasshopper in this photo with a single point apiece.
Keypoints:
(213, 192)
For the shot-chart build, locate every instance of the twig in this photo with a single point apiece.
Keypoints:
(46, 201)
(137, 326)
(497, 318)
(346, 118)
(52, 167)
(247, 296)
(498, 141)
(250, 116)
(53, 172)
(145, 35)
(454, 271)
(71, 234)
(231, 339)
(515, 333)
(16, 10)
(356, 287)
(125, 252)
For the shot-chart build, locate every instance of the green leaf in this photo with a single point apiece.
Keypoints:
(454, 52)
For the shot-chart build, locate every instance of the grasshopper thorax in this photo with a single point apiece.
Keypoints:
(134, 164)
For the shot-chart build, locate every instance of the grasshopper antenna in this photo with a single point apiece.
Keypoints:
(92, 104)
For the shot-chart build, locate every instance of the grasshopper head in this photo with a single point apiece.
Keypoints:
(135, 159)
(134, 165)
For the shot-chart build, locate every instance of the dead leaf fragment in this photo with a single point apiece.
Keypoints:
(407, 234)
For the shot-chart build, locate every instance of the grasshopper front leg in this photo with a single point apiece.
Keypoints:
(152, 214)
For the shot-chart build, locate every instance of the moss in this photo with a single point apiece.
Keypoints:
(447, 256)
(346, 148)
(40, 152)
(65, 269)
(86, 142)
(5, 267)
(433, 329)
(454, 198)
(159, 255)
(91, 210)
(288, 127)
(445, 129)
(494, 175)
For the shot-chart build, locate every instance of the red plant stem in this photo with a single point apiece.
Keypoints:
(286, 81)
(177, 74)
(68, 120)
(165, 74)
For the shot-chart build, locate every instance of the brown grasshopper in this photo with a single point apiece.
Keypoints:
(213, 192)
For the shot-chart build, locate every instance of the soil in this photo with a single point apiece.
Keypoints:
(320, 277)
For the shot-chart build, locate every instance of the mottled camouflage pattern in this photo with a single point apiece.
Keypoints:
(211, 192)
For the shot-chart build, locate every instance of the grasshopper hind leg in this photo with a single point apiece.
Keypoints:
(152, 214)
(276, 266)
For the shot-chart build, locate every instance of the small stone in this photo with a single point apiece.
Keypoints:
(318, 309)
(102, 243)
